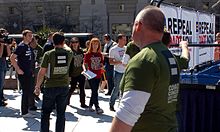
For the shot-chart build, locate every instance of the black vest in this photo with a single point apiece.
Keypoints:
(106, 59)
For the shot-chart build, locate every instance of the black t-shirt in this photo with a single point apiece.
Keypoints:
(106, 50)
(76, 63)
(25, 58)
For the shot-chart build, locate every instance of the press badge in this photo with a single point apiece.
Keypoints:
(61, 63)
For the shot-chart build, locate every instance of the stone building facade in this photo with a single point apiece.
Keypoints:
(97, 16)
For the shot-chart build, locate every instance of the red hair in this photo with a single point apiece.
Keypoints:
(93, 40)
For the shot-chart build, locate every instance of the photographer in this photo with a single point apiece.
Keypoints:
(4, 52)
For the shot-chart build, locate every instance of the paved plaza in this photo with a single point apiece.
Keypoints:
(77, 118)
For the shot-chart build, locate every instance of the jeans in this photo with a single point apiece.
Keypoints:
(3, 68)
(27, 99)
(81, 80)
(2, 79)
(94, 84)
(51, 96)
(115, 92)
(109, 75)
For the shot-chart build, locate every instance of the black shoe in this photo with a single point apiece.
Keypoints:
(112, 108)
(84, 106)
(3, 103)
(34, 108)
(108, 94)
(99, 111)
(4, 99)
(37, 98)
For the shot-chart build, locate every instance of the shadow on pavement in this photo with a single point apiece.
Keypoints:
(9, 112)
(11, 97)
(105, 99)
(102, 117)
(71, 117)
(32, 125)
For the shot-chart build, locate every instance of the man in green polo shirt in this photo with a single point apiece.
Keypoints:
(55, 67)
(151, 80)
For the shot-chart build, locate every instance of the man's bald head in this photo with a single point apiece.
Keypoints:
(152, 17)
(148, 26)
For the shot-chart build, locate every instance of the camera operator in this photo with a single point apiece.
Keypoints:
(4, 53)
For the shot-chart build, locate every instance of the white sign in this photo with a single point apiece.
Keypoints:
(193, 26)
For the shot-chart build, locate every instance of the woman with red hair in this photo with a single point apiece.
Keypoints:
(93, 61)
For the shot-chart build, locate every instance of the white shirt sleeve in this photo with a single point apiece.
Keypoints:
(131, 106)
(125, 59)
(111, 53)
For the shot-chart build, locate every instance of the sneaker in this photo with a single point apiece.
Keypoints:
(84, 106)
(91, 109)
(3, 103)
(107, 94)
(99, 111)
(4, 99)
(112, 108)
(29, 115)
(101, 91)
(34, 108)
(37, 98)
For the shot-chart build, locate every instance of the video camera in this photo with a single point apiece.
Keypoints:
(4, 37)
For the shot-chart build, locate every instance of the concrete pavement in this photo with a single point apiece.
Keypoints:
(77, 118)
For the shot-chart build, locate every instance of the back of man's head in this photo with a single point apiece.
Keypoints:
(153, 18)
(58, 38)
(50, 35)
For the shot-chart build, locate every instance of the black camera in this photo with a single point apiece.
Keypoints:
(5, 39)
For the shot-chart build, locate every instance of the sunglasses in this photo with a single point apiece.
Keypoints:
(74, 41)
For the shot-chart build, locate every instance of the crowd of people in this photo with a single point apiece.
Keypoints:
(47, 70)
(144, 74)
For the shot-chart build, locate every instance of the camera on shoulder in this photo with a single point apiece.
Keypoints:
(4, 37)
